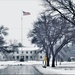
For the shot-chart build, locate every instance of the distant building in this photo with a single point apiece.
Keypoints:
(26, 54)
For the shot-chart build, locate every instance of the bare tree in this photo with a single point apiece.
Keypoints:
(13, 46)
(48, 32)
(63, 8)
(3, 33)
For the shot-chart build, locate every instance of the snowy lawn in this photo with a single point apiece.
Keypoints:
(18, 62)
(2, 67)
(4, 64)
(64, 68)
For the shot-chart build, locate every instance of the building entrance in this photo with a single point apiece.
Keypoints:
(22, 58)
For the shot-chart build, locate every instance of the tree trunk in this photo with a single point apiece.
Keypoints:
(48, 57)
(48, 61)
(53, 61)
(56, 60)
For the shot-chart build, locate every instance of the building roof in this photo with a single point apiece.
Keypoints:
(28, 48)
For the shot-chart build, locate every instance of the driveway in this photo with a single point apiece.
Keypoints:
(19, 70)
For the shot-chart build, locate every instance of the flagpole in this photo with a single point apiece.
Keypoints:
(23, 14)
(22, 28)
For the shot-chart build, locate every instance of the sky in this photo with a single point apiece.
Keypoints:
(10, 16)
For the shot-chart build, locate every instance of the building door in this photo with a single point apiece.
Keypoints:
(26, 58)
(22, 58)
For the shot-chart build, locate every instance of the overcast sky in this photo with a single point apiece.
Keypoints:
(10, 16)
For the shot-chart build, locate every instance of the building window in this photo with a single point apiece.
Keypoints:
(13, 57)
(40, 56)
(30, 51)
(26, 52)
(26, 57)
(22, 51)
(17, 52)
(41, 52)
(17, 57)
(30, 57)
(35, 52)
(3, 57)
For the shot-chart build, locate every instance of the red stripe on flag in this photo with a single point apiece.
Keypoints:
(26, 13)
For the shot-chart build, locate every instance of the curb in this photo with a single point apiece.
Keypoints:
(37, 70)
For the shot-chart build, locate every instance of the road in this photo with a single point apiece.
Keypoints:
(19, 70)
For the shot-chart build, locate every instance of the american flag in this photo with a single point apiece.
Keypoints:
(26, 13)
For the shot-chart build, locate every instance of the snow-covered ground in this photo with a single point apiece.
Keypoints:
(4, 64)
(64, 68)
(2, 67)
(18, 62)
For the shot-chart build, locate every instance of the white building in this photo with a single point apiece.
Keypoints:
(2, 56)
(26, 54)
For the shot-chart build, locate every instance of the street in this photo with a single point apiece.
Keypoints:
(19, 70)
